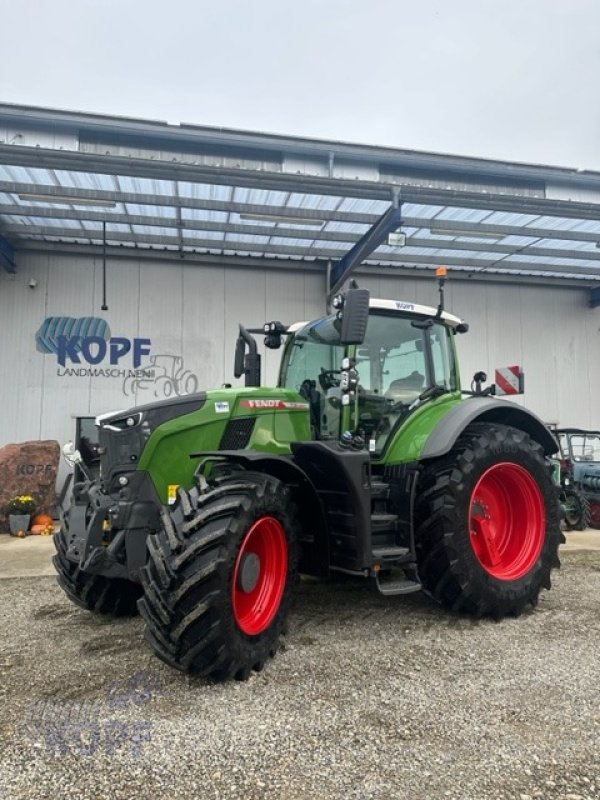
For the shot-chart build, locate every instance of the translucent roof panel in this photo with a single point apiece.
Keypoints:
(198, 215)
(315, 202)
(150, 211)
(204, 191)
(565, 244)
(26, 175)
(246, 239)
(415, 210)
(563, 262)
(262, 197)
(85, 180)
(151, 230)
(463, 214)
(271, 214)
(216, 235)
(60, 223)
(352, 204)
(150, 186)
(510, 218)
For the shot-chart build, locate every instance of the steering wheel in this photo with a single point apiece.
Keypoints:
(327, 379)
(395, 405)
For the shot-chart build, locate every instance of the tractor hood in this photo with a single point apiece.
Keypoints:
(159, 437)
(153, 414)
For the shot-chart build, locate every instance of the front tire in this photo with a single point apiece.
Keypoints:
(115, 597)
(488, 523)
(219, 577)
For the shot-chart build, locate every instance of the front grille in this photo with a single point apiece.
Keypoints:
(237, 434)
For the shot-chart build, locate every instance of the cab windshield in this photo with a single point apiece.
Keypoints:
(400, 358)
(584, 447)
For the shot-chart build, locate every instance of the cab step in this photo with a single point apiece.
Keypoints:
(391, 553)
(380, 490)
(396, 584)
(380, 523)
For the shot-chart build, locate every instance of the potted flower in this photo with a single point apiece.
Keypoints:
(19, 510)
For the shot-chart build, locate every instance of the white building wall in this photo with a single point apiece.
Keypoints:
(190, 314)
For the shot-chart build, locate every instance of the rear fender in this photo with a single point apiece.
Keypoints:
(485, 409)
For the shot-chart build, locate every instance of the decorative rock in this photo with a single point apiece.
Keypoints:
(29, 468)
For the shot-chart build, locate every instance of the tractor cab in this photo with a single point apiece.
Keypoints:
(406, 357)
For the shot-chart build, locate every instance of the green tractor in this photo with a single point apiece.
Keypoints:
(366, 459)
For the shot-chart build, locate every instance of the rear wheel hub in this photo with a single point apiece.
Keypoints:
(507, 521)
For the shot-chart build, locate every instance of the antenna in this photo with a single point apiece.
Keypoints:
(441, 274)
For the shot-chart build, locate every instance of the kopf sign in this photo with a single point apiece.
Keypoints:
(93, 349)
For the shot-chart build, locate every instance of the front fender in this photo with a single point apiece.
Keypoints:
(314, 558)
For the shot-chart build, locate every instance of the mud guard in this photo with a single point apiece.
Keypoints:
(314, 556)
(486, 409)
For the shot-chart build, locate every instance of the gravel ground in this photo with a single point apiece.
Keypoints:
(372, 698)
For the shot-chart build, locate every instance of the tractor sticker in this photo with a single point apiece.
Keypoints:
(222, 407)
(274, 405)
(401, 306)
(167, 378)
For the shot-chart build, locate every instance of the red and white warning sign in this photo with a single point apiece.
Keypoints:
(510, 380)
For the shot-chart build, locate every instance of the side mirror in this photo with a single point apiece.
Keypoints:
(247, 364)
(354, 316)
(238, 363)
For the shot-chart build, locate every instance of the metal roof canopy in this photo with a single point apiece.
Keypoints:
(185, 191)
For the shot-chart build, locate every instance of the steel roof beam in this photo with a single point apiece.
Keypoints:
(318, 265)
(457, 228)
(289, 233)
(262, 179)
(217, 246)
(364, 247)
(172, 201)
(464, 228)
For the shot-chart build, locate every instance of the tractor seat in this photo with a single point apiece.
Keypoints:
(406, 390)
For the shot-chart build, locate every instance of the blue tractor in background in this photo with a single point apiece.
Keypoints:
(580, 477)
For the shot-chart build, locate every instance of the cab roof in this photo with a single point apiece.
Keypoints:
(398, 306)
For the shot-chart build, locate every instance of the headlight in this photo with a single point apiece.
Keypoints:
(123, 423)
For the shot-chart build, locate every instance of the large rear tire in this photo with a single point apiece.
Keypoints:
(488, 523)
(219, 577)
(115, 597)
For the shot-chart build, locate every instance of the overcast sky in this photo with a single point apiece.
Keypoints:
(509, 79)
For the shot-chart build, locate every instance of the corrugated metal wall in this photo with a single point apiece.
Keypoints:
(190, 314)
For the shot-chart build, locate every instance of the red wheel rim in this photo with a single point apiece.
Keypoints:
(260, 576)
(507, 520)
